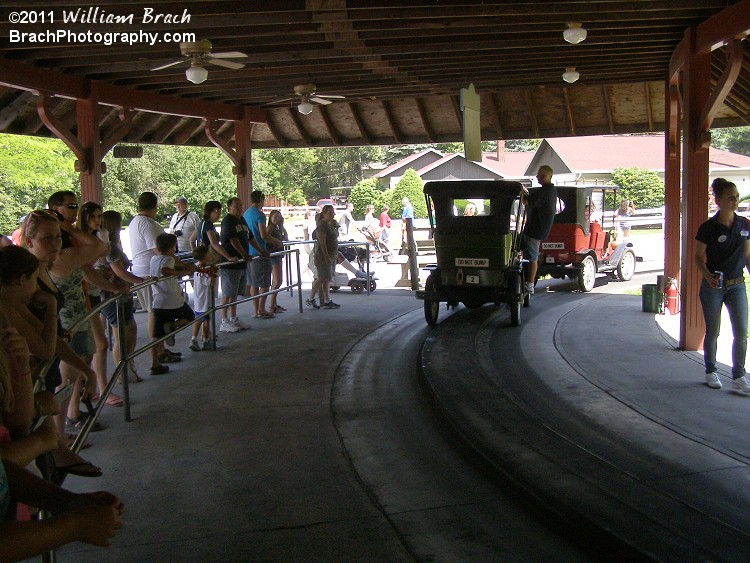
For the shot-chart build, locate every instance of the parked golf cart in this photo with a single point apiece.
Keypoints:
(578, 247)
(478, 258)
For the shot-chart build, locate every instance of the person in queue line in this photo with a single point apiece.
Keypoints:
(87, 517)
(169, 308)
(259, 269)
(722, 252)
(19, 405)
(90, 221)
(276, 230)
(32, 309)
(325, 256)
(205, 293)
(234, 240)
(207, 235)
(143, 230)
(184, 224)
(541, 205)
(119, 264)
(74, 264)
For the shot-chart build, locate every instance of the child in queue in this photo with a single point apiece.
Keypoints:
(169, 307)
(204, 284)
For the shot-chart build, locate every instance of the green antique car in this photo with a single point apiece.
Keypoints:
(476, 226)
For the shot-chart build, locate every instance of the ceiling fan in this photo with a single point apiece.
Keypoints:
(307, 95)
(198, 54)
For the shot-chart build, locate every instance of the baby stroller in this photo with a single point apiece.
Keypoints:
(358, 283)
(377, 239)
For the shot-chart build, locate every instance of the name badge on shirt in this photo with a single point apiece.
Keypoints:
(744, 233)
(722, 238)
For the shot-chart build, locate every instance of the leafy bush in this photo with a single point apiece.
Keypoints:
(643, 187)
(410, 185)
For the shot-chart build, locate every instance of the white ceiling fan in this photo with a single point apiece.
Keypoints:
(307, 96)
(198, 54)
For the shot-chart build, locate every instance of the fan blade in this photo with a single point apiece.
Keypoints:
(228, 55)
(331, 96)
(225, 64)
(280, 101)
(320, 101)
(173, 63)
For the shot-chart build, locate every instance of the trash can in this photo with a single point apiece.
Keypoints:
(650, 298)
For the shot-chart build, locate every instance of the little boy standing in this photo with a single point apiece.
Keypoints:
(204, 284)
(169, 308)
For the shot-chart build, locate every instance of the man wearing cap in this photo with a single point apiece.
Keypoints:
(183, 225)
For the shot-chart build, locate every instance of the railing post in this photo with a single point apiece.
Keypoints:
(121, 334)
(412, 247)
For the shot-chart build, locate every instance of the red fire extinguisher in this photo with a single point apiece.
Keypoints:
(671, 296)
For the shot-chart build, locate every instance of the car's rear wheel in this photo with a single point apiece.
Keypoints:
(587, 274)
(431, 306)
(626, 267)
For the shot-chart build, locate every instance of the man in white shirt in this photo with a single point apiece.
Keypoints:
(143, 230)
(183, 225)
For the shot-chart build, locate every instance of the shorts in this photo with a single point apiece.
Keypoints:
(276, 260)
(145, 298)
(110, 311)
(530, 248)
(232, 281)
(323, 269)
(83, 343)
(259, 272)
(163, 316)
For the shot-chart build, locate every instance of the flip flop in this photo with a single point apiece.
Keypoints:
(80, 468)
(114, 401)
(265, 315)
(70, 440)
(278, 309)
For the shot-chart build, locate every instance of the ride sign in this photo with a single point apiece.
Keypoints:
(473, 262)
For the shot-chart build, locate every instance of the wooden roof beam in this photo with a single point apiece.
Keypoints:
(360, 123)
(649, 112)
(280, 140)
(425, 121)
(608, 109)
(144, 124)
(294, 114)
(330, 127)
(532, 113)
(496, 117)
(171, 123)
(10, 112)
(569, 111)
(392, 122)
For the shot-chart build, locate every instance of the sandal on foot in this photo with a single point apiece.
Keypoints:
(279, 309)
(159, 369)
(81, 469)
(172, 353)
(114, 401)
(79, 422)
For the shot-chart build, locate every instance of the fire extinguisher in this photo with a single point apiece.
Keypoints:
(671, 296)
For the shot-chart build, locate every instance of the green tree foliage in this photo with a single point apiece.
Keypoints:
(736, 140)
(32, 169)
(365, 193)
(288, 174)
(643, 187)
(394, 153)
(522, 145)
(410, 185)
(340, 167)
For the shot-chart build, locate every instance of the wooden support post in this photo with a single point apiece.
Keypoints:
(672, 182)
(697, 81)
(87, 112)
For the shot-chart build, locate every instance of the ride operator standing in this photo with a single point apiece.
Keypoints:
(541, 206)
(722, 251)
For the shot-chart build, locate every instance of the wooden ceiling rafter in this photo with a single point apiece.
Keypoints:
(330, 127)
(294, 115)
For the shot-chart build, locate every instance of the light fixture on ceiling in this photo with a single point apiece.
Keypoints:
(196, 73)
(570, 75)
(305, 107)
(575, 33)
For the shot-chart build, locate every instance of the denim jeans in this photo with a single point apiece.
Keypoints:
(735, 298)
